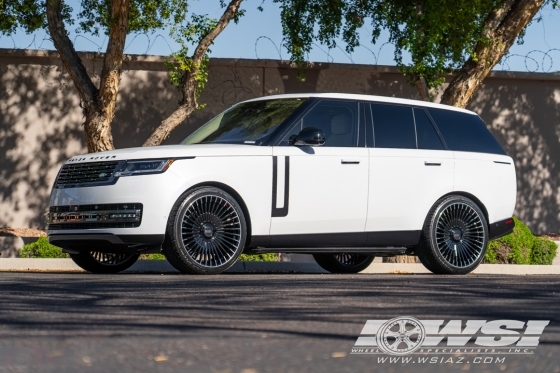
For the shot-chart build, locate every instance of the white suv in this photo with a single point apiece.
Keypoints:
(343, 177)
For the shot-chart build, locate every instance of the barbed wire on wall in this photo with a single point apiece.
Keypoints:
(142, 43)
(528, 60)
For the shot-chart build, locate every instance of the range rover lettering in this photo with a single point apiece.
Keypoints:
(343, 177)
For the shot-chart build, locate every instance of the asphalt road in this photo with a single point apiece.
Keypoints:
(250, 323)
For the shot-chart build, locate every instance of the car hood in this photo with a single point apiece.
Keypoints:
(174, 151)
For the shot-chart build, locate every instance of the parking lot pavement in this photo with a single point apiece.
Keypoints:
(251, 323)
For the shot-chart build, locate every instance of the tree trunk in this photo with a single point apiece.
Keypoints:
(189, 103)
(98, 104)
(423, 88)
(502, 26)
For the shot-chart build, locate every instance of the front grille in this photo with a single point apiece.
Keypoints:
(86, 174)
(116, 215)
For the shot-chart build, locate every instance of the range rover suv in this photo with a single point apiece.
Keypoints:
(343, 177)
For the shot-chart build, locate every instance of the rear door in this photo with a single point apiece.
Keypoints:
(409, 170)
(482, 167)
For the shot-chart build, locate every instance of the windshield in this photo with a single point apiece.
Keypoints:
(245, 123)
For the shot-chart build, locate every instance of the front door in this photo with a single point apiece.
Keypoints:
(322, 191)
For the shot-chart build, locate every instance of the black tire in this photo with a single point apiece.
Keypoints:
(206, 232)
(343, 263)
(97, 262)
(454, 238)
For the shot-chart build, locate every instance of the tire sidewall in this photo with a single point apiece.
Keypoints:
(184, 204)
(329, 263)
(85, 261)
(432, 231)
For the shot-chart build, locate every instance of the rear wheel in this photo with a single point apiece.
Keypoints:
(98, 262)
(206, 232)
(343, 263)
(455, 236)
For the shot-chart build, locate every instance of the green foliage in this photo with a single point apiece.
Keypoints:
(30, 15)
(152, 257)
(439, 35)
(521, 247)
(543, 252)
(94, 16)
(269, 257)
(144, 16)
(180, 62)
(41, 249)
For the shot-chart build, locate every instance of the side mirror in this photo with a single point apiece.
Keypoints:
(308, 136)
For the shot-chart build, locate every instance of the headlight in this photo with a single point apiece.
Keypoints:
(144, 167)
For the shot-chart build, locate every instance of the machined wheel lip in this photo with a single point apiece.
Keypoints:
(109, 259)
(209, 230)
(460, 234)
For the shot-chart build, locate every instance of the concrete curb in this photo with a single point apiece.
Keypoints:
(162, 266)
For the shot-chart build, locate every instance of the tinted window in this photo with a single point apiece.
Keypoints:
(393, 126)
(425, 132)
(465, 132)
(337, 119)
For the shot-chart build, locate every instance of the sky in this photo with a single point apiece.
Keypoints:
(259, 35)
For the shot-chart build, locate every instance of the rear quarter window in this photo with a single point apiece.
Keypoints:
(465, 132)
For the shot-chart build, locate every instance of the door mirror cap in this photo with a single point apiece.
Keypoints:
(308, 136)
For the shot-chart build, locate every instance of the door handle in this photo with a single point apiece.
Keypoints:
(432, 163)
(349, 161)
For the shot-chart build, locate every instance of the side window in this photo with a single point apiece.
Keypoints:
(337, 119)
(465, 132)
(393, 126)
(425, 132)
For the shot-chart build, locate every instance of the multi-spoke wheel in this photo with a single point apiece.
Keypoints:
(98, 262)
(343, 263)
(206, 232)
(455, 236)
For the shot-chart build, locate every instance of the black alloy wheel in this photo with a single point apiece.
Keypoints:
(343, 263)
(99, 262)
(455, 236)
(206, 232)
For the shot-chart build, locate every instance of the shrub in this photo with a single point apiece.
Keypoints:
(270, 257)
(152, 257)
(543, 251)
(520, 247)
(41, 249)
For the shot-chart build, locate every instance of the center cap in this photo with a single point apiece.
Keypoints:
(456, 234)
(207, 230)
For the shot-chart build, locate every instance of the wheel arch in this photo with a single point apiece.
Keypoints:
(474, 199)
(237, 197)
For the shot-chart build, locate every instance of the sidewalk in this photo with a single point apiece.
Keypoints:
(162, 266)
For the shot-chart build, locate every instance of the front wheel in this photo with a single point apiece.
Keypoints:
(206, 232)
(343, 263)
(455, 236)
(98, 262)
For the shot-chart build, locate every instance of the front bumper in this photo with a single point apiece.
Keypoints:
(126, 216)
(107, 242)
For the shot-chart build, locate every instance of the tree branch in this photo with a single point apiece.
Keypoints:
(189, 83)
(70, 59)
(502, 27)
